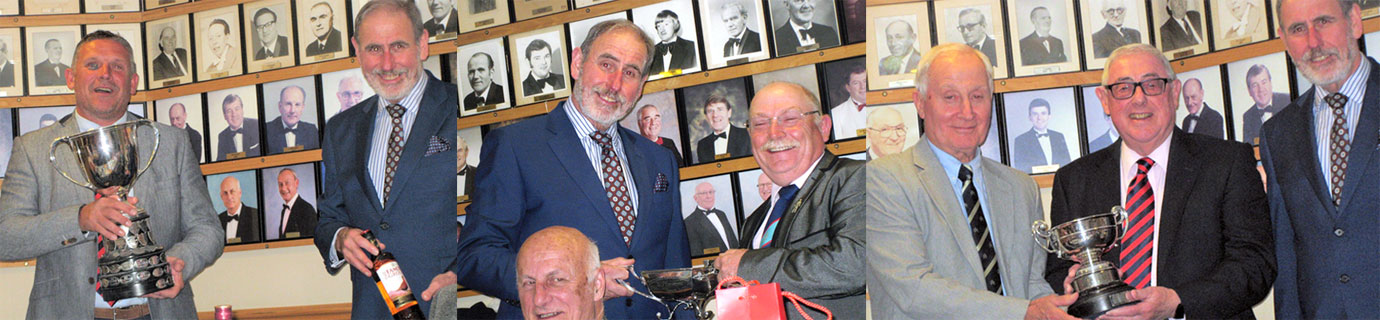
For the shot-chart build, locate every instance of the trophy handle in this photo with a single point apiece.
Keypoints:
(1041, 230)
(52, 158)
(1119, 217)
(147, 164)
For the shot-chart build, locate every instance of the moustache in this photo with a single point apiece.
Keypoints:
(395, 72)
(1317, 52)
(607, 94)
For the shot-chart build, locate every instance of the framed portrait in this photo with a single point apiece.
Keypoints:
(527, 9)
(6, 138)
(9, 8)
(1101, 133)
(1110, 24)
(805, 76)
(712, 112)
(154, 4)
(236, 201)
(977, 24)
(168, 44)
(439, 18)
(131, 32)
(433, 64)
(11, 62)
(539, 58)
(1301, 84)
(218, 46)
(845, 96)
(1239, 22)
(322, 26)
(854, 20)
(98, 6)
(891, 128)
(289, 201)
(480, 14)
(50, 55)
(711, 220)
(483, 77)
(580, 29)
(734, 32)
(803, 25)
(672, 25)
(343, 89)
(754, 190)
(294, 124)
(586, 3)
(1182, 27)
(185, 113)
(270, 39)
(1035, 116)
(1043, 33)
(1259, 90)
(234, 119)
(655, 118)
(469, 142)
(1369, 8)
(1203, 102)
(42, 7)
(899, 39)
(31, 119)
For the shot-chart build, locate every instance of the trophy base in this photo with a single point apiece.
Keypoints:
(135, 275)
(1094, 302)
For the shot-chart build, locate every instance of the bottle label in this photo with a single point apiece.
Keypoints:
(394, 287)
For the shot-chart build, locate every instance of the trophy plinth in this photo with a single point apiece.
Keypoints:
(1086, 239)
(689, 288)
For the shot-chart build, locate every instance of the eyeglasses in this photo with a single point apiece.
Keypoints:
(969, 27)
(790, 119)
(888, 131)
(1150, 87)
(265, 25)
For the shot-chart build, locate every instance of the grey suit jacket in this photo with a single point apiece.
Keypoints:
(39, 220)
(922, 262)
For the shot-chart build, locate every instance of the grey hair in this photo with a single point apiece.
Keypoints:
(982, 18)
(105, 35)
(741, 11)
(616, 24)
(1138, 48)
(1345, 5)
(1032, 11)
(922, 75)
(414, 17)
(592, 262)
(229, 99)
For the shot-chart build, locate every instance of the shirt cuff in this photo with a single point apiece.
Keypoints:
(336, 262)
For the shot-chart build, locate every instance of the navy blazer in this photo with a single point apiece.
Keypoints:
(547, 180)
(416, 223)
(1327, 254)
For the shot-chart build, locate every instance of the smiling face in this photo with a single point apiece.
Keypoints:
(704, 195)
(480, 71)
(649, 122)
(1039, 117)
(1260, 89)
(886, 134)
(764, 185)
(609, 78)
(802, 11)
(230, 194)
(234, 114)
(290, 103)
(957, 108)
(320, 20)
(899, 38)
(287, 184)
(389, 56)
(103, 80)
(555, 278)
(733, 19)
(857, 86)
(1193, 95)
(1143, 121)
(786, 140)
(718, 115)
(1321, 38)
(266, 25)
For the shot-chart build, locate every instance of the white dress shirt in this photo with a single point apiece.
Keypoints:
(1156, 176)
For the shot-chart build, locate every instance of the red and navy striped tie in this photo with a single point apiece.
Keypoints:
(1139, 240)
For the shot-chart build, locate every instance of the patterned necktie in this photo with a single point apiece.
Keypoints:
(987, 254)
(783, 200)
(616, 187)
(1341, 145)
(395, 146)
(1139, 240)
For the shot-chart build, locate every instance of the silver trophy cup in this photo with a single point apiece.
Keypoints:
(689, 288)
(1086, 239)
(132, 265)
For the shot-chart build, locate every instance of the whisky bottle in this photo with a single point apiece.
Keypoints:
(392, 285)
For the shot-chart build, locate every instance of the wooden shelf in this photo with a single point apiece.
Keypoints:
(261, 162)
(551, 20)
(67, 19)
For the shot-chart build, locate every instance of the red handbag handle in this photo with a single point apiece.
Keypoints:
(736, 279)
(795, 299)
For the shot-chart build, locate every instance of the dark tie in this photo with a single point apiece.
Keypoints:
(395, 146)
(1341, 145)
(284, 219)
(736, 44)
(1190, 122)
(616, 187)
(987, 254)
(1139, 240)
(721, 135)
(1041, 135)
(783, 201)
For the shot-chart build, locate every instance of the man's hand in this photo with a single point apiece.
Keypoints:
(175, 265)
(1155, 303)
(727, 262)
(1051, 307)
(1068, 280)
(440, 281)
(105, 215)
(352, 246)
(615, 271)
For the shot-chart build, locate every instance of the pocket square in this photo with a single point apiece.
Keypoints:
(437, 145)
(661, 184)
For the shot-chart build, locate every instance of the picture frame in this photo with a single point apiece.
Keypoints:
(986, 29)
(267, 20)
(891, 128)
(704, 227)
(1247, 114)
(173, 66)
(1043, 37)
(325, 33)
(1202, 96)
(1172, 36)
(9, 7)
(845, 96)
(102, 6)
(155, 4)
(6, 139)
(46, 7)
(894, 53)
(674, 28)
(1100, 30)
(12, 65)
(731, 120)
(468, 141)
(547, 49)
(296, 183)
(1023, 122)
(218, 47)
(586, 3)
(481, 14)
(754, 192)
(440, 18)
(482, 77)
(341, 90)
(50, 52)
(35, 118)
(1100, 132)
(248, 225)
(191, 116)
(854, 20)
(578, 30)
(821, 33)
(1239, 22)
(223, 144)
(291, 103)
(735, 32)
(655, 118)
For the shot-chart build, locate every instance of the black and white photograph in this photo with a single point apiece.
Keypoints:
(168, 43)
(845, 96)
(1182, 27)
(671, 25)
(580, 29)
(891, 128)
(42, 7)
(899, 38)
(711, 221)
(1042, 40)
(290, 107)
(1239, 22)
(1203, 103)
(185, 113)
(6, 138)
(270, 41)
(1110, 24)
(50, 55)
(1369, 8)
(468, 143)
(322, 30)
(343, 89)
(99, 6)
(754, 190)
(716, 117)
(805, 76)
(803, 25)
(528, 9)
(854, 20)
(1101, 132)
(586, 3)
(977, 24)
(1043, 129)
(31, 119)
(992, 147)
(154, 4)
(734, 32)
(132, 32)
(539, 59)
(439, 18)
(218, 43)
(289, 201)
(235, 198)
(234, 123)
(483, 77)
(480, 14)
(11, 63)
(654, 117)
(1259, 90)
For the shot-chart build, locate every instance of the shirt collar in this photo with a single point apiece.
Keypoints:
(950, 164)
(289, 203)
(1160, 155)
(87, 125)
(1354, 87)
(799, 182)
(798, 27)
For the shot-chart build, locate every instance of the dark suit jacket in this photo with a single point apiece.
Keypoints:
(788, 43)
(1316, 242)
(1213, 244)
(1107, 39)
(671, 145)
(302, 219)
(494, 96)
(1033, 50)
(1028, 152)
(1174, 37)
(739, 144)
(682, 56)
(333, 43)
(1253, 118)
(989, 48)
(1209, 123)
(546, 180)
(195, 139)
(46, 74)
(469, 179)
(452, 25)
(163, 67)
(531, 86)
(704, 236)
(251, 223)
(752, 43)
(819, 250)
(307, 135)
(226, 141)
(7, 75)
(416, 223)
(280, 50)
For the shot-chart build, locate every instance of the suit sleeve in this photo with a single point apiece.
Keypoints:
(827, 271)
(1057, 269)
(331, 214)
(1286, 289)
(203, 240)
(487, 261)
(26, 233)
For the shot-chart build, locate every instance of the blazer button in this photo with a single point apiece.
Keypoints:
(1344, 278)
(383, 226)
(1339, 232)
(627, 302)
(90, 280)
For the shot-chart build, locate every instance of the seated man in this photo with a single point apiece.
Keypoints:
(558, 274)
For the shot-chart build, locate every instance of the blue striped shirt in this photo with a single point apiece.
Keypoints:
(383, 127)
(1355, 90)
(595, 153)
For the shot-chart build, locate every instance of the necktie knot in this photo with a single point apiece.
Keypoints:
(1144, 164)
(1335, 100)
(965, 173)
(1041, 135)
(787, 192)
(396, 110)
(721, 135)
(603, 139)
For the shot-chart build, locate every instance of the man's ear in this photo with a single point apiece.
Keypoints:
(599, 289)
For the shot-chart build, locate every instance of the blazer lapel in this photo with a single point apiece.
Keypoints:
(1363, 141)
(1001, 206)
(571, 153)
(932, 175)
(431, 114)
(826, 162)
(363, 138)
(1106, 177)
(1300, 144)
(1179, 183)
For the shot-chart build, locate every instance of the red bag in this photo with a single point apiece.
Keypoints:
(753, 300)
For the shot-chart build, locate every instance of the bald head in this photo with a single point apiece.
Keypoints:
(230, 194)
(558, 273)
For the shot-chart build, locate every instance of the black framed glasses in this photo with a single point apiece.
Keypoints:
(1150, 87)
